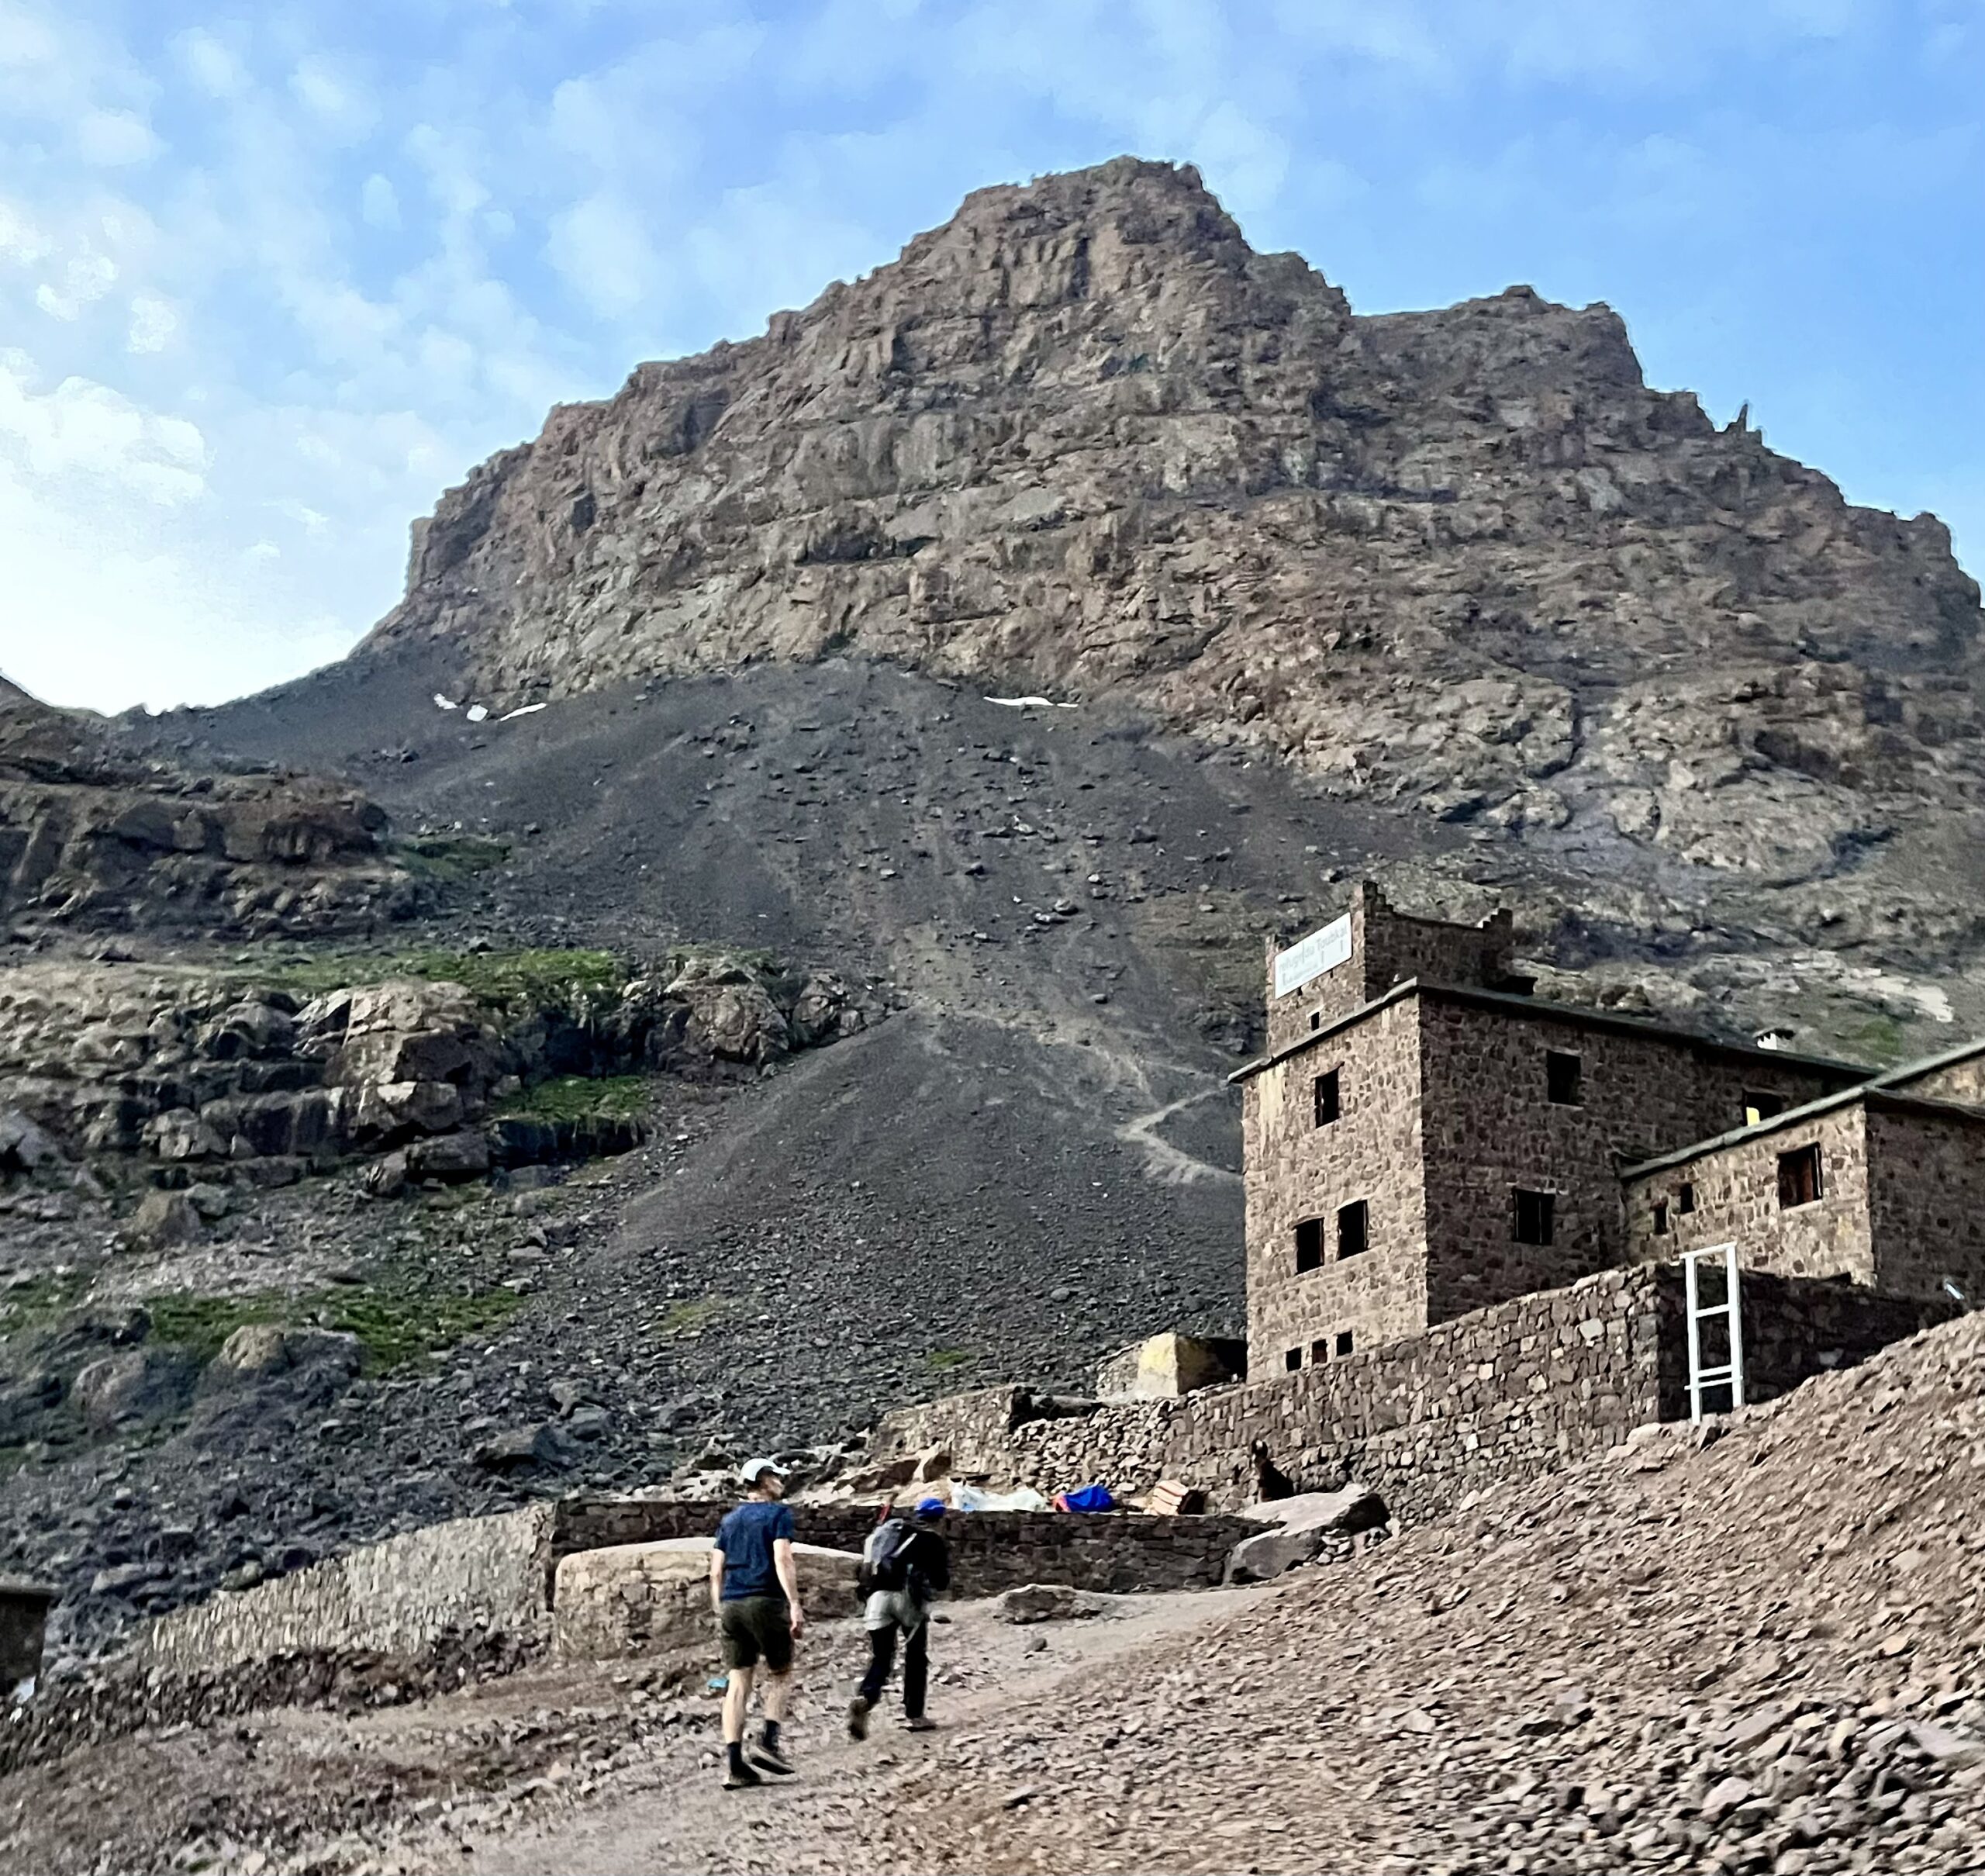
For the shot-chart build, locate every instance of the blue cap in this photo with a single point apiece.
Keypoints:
(930, 1507)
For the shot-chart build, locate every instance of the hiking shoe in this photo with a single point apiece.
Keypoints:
(919, 1724)
(857, 1718)
(767, 1760)
(742, 1777)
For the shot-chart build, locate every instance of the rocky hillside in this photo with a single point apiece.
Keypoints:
(1084, 438)
(93, 837)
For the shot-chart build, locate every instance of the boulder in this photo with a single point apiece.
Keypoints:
(1344, 1513)
(164, 1219)
(23, 1145)
(1257, 1559)
(735, 1022)
(132, 1385)
(179, 1133)
(386, 1177)
(525, 1448)
(450, 1156)
(259, 1351)
(1050, 1603)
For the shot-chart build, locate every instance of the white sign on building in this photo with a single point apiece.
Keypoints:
(1309, 957)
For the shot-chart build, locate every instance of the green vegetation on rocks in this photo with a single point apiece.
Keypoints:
(448, 859)
(397, 1326)
(579, 1098)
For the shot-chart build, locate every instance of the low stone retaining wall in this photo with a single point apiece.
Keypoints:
(471, 1576)
(1123, 1552)
(1488, 1399)
(636, 1599)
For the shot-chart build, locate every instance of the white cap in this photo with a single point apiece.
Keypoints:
(750, 1471)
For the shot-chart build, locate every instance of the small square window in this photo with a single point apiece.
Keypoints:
(1344, 1340)
(1759, 1106)
(1564, 1074)
(1684, 1198)
(1320, 1351)
(1661, 1217)
(1798, 1177)
(1292, 1359)
(1533, 1217)
(1309, 1245)
(1327, 1098)
(1353, 1230)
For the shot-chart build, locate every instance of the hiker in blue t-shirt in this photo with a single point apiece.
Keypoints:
(754, 1589)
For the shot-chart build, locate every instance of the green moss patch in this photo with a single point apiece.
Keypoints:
(944, 1359)
(579, 1097)
(450, 858)
(397, 1326)
(41, 1300)
(691, 1318)
(535, 979)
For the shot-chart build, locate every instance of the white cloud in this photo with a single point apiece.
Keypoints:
(85, 277)
(378, 203)
(338, 100)
(23, 239)
(87, 431)
(153, 323)
(210, 64)
(602, 250)
(111, 139)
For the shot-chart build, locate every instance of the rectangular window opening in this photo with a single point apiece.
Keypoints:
(1316, 1019)
(1309, 1245)
(1292, 1359)
(1353, 1230)
(1533, 1217)
(1319, 1352)
(1343, 1341)
(1798, 1177)
(1327, 1098)
(1564, 1074)
(1684, 1198)
(1661, 1217)
(1758, 1106)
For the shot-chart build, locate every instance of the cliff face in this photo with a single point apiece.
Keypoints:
(1084, 437)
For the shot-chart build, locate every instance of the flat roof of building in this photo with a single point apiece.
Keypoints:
(1869, 1092)
(1580, 1014)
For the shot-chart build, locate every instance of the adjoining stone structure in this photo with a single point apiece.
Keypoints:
(1489, 1399)
(1419, 1149)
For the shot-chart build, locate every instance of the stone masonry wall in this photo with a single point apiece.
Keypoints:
(1735, 1190)
(1121, 1553)
(491, 1575)
(1483, 1401)
(1387, 948)
(1490, 1127)
(1298, 1171)
(1962, 1082)
(1926, 1196)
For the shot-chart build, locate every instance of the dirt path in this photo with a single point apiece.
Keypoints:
(672, 1814)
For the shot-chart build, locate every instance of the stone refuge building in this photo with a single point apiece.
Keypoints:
(1425, 1139)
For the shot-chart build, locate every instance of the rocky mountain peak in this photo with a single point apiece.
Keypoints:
(1083, 436)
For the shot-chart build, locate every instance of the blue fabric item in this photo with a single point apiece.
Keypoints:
(930, 1507)
(1089, 1498)
(746, 1538)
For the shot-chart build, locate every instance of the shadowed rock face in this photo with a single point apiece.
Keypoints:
(1084, 437)
(93, 835)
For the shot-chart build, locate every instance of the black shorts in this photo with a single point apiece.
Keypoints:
(754, 1626)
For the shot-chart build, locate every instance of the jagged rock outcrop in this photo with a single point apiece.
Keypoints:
(93, 836)
(1083, 436)
(209, 1076)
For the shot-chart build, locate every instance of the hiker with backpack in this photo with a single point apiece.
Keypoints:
(905, 1564)
(755, 1590)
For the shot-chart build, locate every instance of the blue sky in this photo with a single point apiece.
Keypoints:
(271, 276)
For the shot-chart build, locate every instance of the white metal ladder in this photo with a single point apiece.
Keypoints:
(1731, 1373)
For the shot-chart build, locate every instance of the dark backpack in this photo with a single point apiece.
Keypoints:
(884, 1563)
